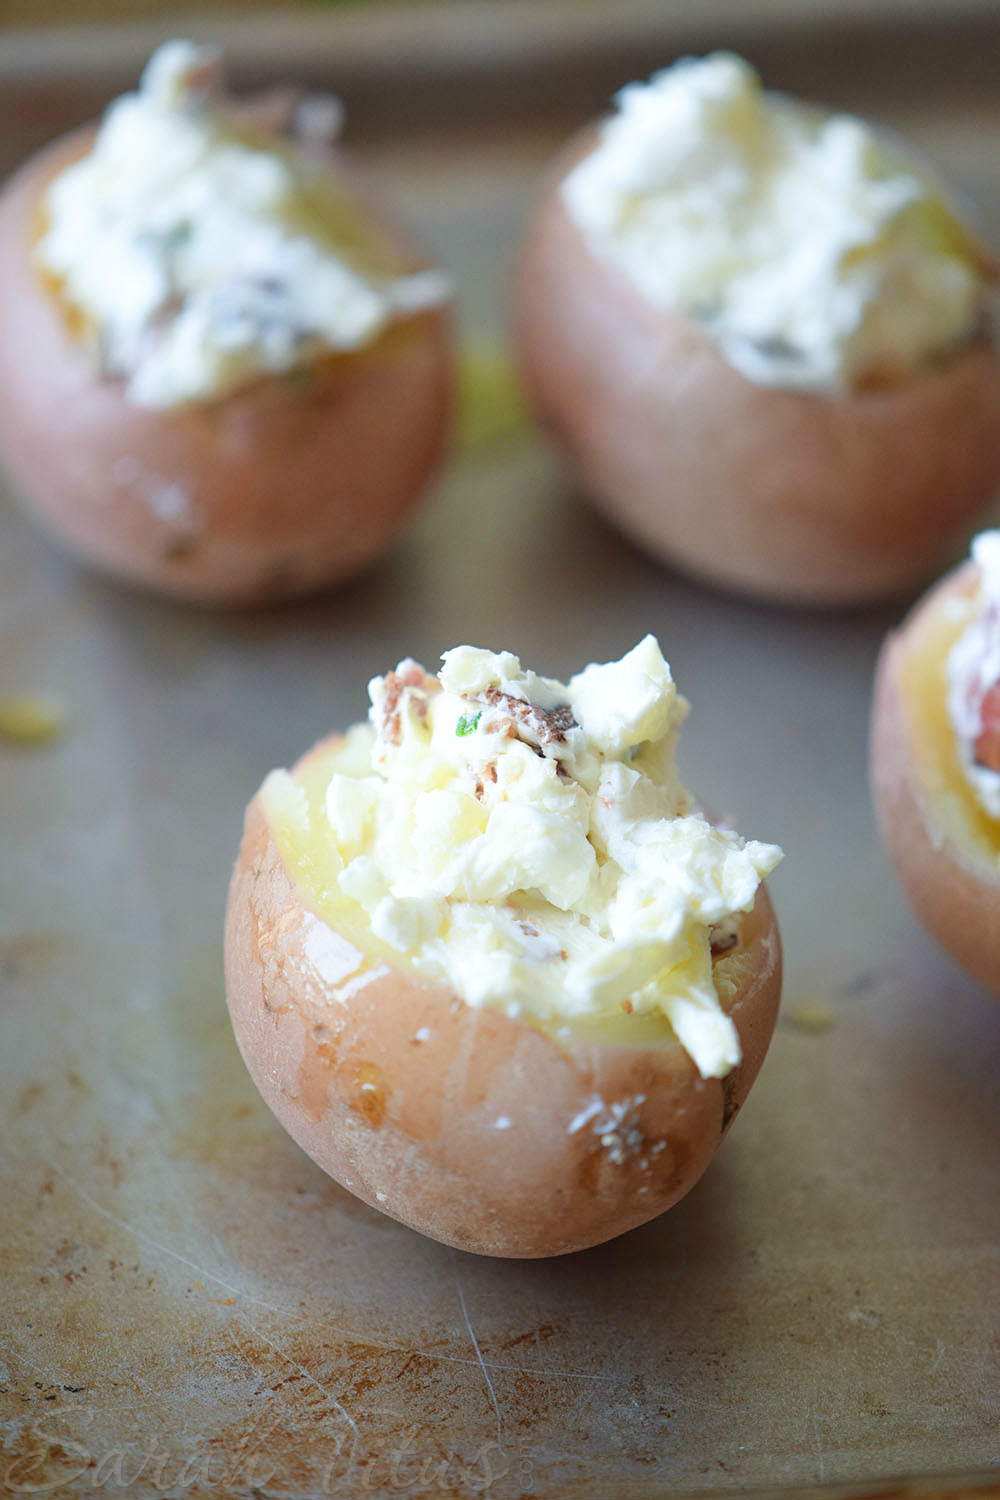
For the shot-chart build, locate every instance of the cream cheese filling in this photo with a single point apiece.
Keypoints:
(974, 669)
(201, 255)
(529, 843)
(812, 251)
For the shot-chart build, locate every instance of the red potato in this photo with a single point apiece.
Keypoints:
(400, 1090)
(944, 846)
(790, 496)
(285, 486)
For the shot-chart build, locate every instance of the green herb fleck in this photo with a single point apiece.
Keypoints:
(468, 722)
(178, 234)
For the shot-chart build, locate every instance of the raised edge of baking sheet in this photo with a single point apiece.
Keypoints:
(189, 1306)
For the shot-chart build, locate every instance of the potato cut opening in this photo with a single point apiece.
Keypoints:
(949, 796)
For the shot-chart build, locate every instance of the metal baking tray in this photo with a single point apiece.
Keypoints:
(189, 1306)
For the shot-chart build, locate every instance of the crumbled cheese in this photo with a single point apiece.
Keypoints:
(529, 843)
(202, 257)
(812, 251)
(974, 668)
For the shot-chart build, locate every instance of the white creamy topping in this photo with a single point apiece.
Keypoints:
(529, 843)
(814, 254)
(974, 669)
(201, 260)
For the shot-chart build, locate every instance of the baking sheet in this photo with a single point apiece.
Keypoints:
(191, 1308)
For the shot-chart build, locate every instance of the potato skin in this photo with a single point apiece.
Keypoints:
(285, 486)
(793, 497)
(955, 895)
(410, 1126)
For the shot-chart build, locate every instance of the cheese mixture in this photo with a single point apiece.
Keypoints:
(529, 843)
(201, 254)
(811, 251)
(974, 681)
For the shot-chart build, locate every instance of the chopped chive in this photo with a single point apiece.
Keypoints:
(178, 234)
(468, 722)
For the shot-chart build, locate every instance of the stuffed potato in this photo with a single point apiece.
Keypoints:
(935, 760)
(761, 341)
(513, 1071)
(223, 373)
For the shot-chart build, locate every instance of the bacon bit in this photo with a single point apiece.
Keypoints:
(528, 928)
(490, 774)
(559, 720)
(986, 746)
(627, 1007)
(547, 725)
(722, 940)
(419, 683)
(204, 75)
(563, 955)
(390, 708)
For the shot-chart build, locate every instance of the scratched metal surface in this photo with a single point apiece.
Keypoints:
(191, 1308)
